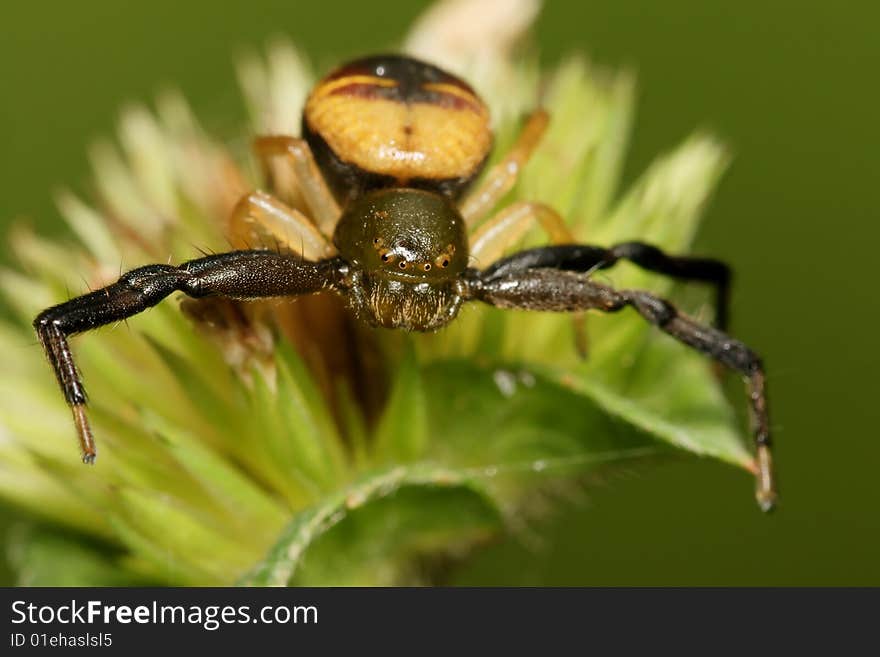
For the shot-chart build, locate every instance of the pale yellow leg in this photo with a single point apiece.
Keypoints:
(491, 240)
(502, 177)
(311, 183)
(259, 219)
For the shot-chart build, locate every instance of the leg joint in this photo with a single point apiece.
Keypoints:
(153, 283)
(657, 311)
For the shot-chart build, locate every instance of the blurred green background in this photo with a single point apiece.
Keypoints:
(791, 86)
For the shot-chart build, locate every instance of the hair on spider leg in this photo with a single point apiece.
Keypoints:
(247, 244)
(473, 261)
(86, 284)
(595, 268)
(116, 324)
(201, 250)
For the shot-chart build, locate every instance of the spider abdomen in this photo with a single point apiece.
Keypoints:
(395, 121)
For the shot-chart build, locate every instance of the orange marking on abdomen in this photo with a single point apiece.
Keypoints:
(339, 85)
(455, 96)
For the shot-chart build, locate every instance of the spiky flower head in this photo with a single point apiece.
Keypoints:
(229, 456)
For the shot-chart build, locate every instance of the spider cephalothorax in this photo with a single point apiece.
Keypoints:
(406, 250)
(397, 143)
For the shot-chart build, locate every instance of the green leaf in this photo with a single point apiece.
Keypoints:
(402, 434)
(207, 395)
(363, 533)
(307, 419)
(578, 164)
(180, 541)
(671, 393)
(43, 557)
(509, 418)
(503, 431)
(512, 413)
(665, 205)
(244, 503)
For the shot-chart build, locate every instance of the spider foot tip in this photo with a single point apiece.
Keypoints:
(766, 500)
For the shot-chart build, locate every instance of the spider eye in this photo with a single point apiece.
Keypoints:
(402, 264)
(427, 266)
(445, 262)
(386, 257)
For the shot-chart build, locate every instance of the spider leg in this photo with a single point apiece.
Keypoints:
(311, 183)
(238, 274)
(565, 291)
(259, 215)
(502, 177)
(586, 258)
(489, 242)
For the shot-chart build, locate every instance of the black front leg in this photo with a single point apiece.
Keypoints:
(566, 291)
(238, 274)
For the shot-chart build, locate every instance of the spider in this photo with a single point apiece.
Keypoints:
(390, 147)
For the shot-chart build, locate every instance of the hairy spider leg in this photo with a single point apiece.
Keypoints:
(502, 177)
(258, 216)
(587, 258)
(314, 189)
(540, 288)
(237, 274)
